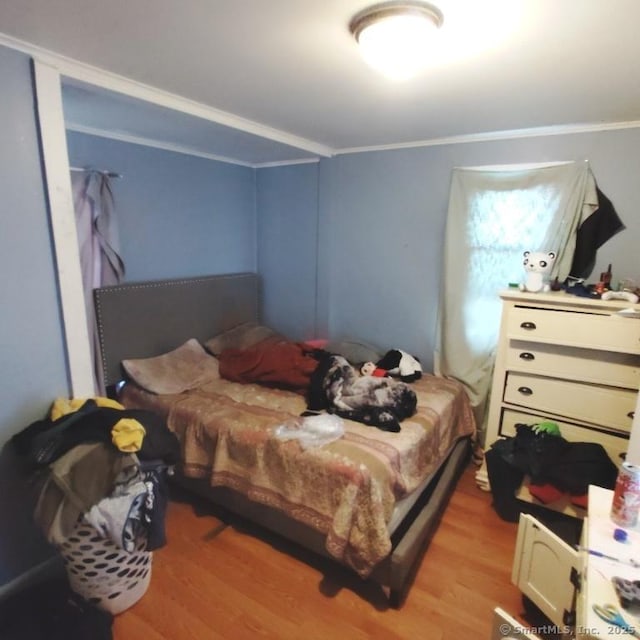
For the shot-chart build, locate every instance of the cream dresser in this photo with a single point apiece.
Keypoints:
(572, 360)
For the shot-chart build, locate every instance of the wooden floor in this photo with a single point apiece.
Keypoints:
(212, 581)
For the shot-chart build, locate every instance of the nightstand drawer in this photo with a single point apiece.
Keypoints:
(608, 407)
(584, 365)
(591, 330)
(615, 445)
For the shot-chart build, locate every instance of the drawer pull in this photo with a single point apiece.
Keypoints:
(529, 326)
(525, 391)
(526, 355)
(631, 414)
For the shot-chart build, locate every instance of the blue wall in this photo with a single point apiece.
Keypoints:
(31, 340)
(178, 215)
(382, 218)
(287, 202)
(382, 235)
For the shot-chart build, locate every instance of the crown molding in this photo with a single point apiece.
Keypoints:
(83, 72)
(490, 136)
(176, 148)
(285, 163)
(150, 142)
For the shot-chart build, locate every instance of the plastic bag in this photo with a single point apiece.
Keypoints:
(312, 431)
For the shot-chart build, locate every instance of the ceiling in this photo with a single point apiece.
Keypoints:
(282, 80)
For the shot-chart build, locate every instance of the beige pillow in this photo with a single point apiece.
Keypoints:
(242, 336)
(187, 367)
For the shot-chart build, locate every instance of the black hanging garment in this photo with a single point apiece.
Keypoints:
(594, 231)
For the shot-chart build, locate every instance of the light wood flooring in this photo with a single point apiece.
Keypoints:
(234, 582)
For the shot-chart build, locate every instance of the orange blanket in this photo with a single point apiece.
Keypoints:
(272, 361)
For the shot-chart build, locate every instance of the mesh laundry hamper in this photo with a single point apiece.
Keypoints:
(104, 574)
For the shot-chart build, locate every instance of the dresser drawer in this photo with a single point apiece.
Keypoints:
(578, 329)
(587, 365)
(608, 407)
(615, 445)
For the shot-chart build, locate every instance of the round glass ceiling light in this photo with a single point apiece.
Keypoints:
(396, 37)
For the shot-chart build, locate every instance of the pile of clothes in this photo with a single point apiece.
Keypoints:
(556, 467)
(102, 463)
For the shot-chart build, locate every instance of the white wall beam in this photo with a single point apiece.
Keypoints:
(63, 226)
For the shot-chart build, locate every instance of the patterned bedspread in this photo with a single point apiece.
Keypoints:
(346, 489)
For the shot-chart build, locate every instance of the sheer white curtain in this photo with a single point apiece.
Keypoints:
(495, 215)
(100, 261)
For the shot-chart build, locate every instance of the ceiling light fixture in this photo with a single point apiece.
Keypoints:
(396, 37)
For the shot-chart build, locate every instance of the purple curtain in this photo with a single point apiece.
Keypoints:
(100, 260)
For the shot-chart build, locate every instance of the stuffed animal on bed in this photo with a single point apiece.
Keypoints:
(538, 266)
(370, 369)
(401, 364)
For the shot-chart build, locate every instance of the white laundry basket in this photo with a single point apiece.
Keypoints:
(104, 574)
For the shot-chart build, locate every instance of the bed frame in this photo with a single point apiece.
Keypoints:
(145, 319)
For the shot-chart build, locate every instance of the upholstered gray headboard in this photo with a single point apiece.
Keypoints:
(144, 319)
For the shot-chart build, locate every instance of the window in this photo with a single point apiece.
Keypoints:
(495, 215)
(501, 226)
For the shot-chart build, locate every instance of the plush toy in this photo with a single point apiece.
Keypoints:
(537, 265)
(370, 369)
(402, 364)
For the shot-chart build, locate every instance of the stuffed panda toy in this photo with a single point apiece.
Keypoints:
(401, 364)
(538, 266)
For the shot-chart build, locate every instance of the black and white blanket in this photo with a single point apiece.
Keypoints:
(380, 402)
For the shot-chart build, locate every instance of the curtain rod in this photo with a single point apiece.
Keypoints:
(110, 174)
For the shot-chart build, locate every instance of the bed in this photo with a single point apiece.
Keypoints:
(368, 499)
